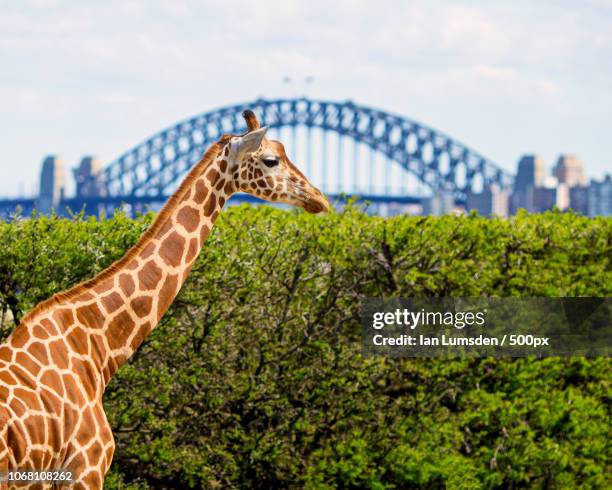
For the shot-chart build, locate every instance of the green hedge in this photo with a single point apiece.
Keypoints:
(254, 379)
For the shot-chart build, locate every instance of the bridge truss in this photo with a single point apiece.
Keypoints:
(149, 172)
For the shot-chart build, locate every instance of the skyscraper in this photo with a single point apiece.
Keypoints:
(569, 171)
(600, 197)
(52, 184)
(87, 177)
(531, 174)
(579, 199)
(492, 201)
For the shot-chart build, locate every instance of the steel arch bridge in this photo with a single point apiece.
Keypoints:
(149, 172)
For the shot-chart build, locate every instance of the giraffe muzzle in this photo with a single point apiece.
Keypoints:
(316, 203)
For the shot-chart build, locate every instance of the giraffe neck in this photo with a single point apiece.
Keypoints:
(141, 292)
(108, 317)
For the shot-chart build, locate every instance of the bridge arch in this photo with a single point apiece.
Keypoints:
(152, 168)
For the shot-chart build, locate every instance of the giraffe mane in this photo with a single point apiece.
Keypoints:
(209, 156)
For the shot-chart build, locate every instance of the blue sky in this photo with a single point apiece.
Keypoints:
(503, 77)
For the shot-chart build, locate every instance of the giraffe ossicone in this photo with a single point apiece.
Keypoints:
(56, 364)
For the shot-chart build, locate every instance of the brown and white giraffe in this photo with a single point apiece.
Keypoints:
(56, 364)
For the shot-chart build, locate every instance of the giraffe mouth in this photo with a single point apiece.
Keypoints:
(310, 198)
(316, 204)
(313, 207)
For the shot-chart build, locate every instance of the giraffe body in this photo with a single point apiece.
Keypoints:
(56, 364)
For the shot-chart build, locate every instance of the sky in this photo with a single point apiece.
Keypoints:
(504, 77)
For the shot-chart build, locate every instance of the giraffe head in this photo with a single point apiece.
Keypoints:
(260, 167)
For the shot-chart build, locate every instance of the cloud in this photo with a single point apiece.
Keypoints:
(116, 98)
(123, 69)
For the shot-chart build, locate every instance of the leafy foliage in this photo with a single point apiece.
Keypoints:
(254, 378)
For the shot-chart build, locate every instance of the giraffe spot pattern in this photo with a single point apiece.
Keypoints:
(59, 354)
(119, 330)
(39, 351)
(188, 218)
(167, 294)
(212, 176)
(149, 276)
(28, 362)
(63, 316)
(147, 251)
(90, 316)
(112, 302)
(200, 192)
(142, 306)
(210, 204)
(39, 332)
(127, 284)
(204, 232)
(192, 250)
(171, 249)
(141, 334)
(79, 341)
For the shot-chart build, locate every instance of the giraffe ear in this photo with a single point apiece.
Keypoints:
(251, 142)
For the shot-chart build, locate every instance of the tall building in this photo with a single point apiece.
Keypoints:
(52, 184)
(569, 171)
(562, 196)
(439, 204)
(87, 177)
(544, 198)
(600, 197)
(491, 201)
(531, 174)
(579, 199)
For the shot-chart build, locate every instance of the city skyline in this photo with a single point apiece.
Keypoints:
(506, 80)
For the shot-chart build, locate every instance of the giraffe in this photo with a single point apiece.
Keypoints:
(56, 364)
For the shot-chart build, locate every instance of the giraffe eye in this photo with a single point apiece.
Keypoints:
(270, 162)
